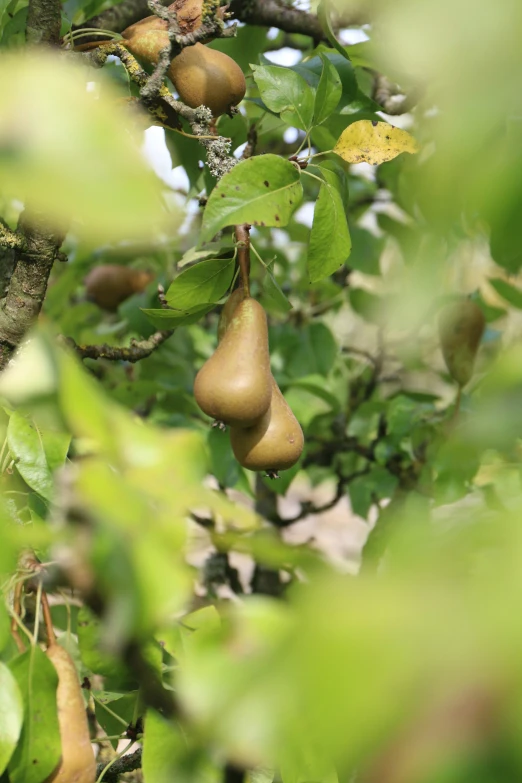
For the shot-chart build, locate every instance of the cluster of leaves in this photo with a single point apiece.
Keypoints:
(99, 474)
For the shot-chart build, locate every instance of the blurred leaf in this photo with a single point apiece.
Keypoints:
(328, 92)
(203, 283)
(11, 715)
(374, 142)
(366, 304)
(508, 292)
(323, 12)
(284, 91)
(262, 191)
(171, 319)
(27, 447)
(71, 135)
(38, 751)
(366, 251)
(330, 242)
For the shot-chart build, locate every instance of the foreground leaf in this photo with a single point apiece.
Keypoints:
(38, 750)
(11, 715)
(368, 141)
(71, 152)
(263, 191)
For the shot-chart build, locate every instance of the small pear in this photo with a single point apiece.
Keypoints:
(229, 308)
(207, 76)
(461, 325)
(77, 764)
(234, 385)
(109, 285)
(274, 443)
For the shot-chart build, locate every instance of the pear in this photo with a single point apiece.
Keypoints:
(77, 764)
(206, 76)
(274, 443)
(234, 385)
(229, 308)
(109, 285)
(461, 325)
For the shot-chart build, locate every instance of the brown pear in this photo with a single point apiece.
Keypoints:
(234, 385)
(461, 325)
(229, 308)
(77, 764)
(206, 76)
(274, 443)
(109, 285)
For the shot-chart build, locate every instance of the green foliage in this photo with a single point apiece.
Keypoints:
(329, 624)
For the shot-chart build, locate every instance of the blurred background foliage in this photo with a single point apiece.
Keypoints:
(389, 653)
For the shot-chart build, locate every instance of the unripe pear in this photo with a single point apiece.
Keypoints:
(77, 764)
(274, 443)
(234, 385)
(461, 325)
(109, 285)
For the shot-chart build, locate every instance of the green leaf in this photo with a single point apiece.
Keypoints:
(330, 242)
(38, 750)
(170, 319)
(366, 304)
(273, 292)
(328, 92)
(508, 292)
(168, 756)
(56, 446)
(27, 448)
(263, 191)
(74, 135)
(201, 284)
(11, 715)
(284, 91)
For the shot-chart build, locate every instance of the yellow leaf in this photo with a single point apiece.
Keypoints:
(373, 142)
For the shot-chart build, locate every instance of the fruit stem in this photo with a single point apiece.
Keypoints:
(51, 636)
(17, 608)
(243, 239)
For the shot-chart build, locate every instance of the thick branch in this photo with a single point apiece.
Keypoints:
(44, 18)
(265, 13)
(137, 350)
(272, 13)
(28, 285)
(120, 16)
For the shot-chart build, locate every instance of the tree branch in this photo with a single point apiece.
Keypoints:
(272, 13)
(44, 18)
(265, 13)
(34, 258)
(137, 350)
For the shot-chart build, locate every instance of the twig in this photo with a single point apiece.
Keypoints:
(126, 763)
(51, 636)
(11, 239)
(17, 611)
(137, 350)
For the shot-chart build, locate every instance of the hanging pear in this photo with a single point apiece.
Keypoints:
(274, 443)
(461, 325)
(229, 308)
(77, 764)
(109, 285)
(234, 385)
